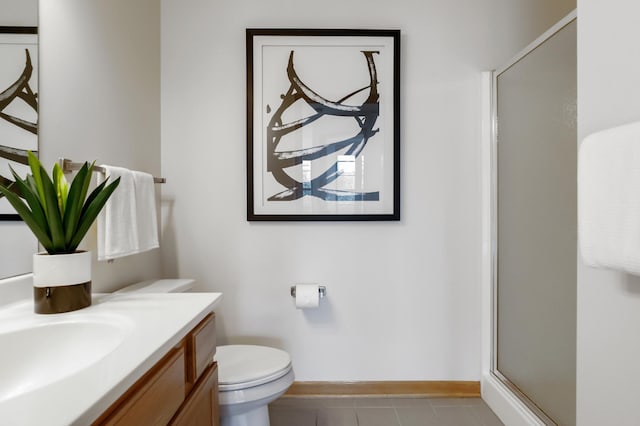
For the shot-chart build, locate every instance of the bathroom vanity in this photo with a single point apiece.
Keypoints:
(180, 389)
(127, 359)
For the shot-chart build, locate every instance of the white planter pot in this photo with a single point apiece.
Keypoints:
(61, 282)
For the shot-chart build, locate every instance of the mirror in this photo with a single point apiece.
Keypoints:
(18, 123)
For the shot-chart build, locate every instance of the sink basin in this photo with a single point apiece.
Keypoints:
(36, 355)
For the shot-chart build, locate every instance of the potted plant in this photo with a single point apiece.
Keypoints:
(59, 214)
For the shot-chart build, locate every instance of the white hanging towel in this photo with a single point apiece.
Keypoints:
(128, 225)
(609, 199)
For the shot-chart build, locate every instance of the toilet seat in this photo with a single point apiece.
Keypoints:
(245, 366)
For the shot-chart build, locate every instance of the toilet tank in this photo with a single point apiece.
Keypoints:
(177, 285)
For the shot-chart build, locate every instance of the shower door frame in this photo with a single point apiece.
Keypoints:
(511, 405)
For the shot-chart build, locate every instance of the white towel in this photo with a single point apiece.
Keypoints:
(609, 199)
(128, 225)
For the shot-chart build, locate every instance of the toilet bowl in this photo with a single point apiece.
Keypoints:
(249, 376)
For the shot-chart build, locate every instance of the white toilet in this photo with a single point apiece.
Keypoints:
(249, 377)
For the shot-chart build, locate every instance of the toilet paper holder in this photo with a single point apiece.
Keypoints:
(322, 290)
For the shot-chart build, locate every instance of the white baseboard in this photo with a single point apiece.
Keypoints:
(510, 410)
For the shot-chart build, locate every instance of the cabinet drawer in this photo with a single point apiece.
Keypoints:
(155, 398)
(201, 346)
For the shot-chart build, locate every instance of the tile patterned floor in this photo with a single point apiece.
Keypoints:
(373, 411)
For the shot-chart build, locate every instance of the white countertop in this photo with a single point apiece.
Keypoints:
(152, 324)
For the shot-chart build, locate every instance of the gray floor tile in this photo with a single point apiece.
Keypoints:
(381, 411)
(411, 402)
(421, 415)
(456, 416)
(335, 402)
(337, 416)
(455, 402)
(286, 401)
(377, 416)
(318, 402)
(390, 402)
(282, 415)
(373, 402)
(485, 416)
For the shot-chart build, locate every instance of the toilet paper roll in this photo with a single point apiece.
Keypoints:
(307, 296)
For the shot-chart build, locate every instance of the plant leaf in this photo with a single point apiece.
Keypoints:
(52, 212)
(75, 202)
(62, 187)
(30, 182)
(32, 200)
(87, 181)
(27, 216)
(80, 201)
(36, 167)
(97, 199)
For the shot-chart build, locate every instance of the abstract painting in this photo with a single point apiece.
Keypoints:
(323, 114)
(18, 105)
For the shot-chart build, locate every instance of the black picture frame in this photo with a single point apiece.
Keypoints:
(339, 89)
(18, 85)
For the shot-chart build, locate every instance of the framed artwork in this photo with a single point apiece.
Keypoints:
(18, 105)
(323, 124)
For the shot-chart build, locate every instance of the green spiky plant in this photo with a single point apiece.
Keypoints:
(58, 214)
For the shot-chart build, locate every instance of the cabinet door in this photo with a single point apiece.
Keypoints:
(201, 407)
(156, 397)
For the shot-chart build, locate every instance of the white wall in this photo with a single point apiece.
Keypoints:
(608, 347)
(100, 98)
(403, 298)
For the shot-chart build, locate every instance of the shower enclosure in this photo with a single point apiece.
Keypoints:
(534, 230)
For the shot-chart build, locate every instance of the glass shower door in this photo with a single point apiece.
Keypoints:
(536, 229)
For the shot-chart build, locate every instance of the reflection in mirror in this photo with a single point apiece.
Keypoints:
(18, 123)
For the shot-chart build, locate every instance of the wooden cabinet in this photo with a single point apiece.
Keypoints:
(202, 403)
(181, 389)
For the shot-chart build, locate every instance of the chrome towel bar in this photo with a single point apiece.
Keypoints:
(68, 166)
